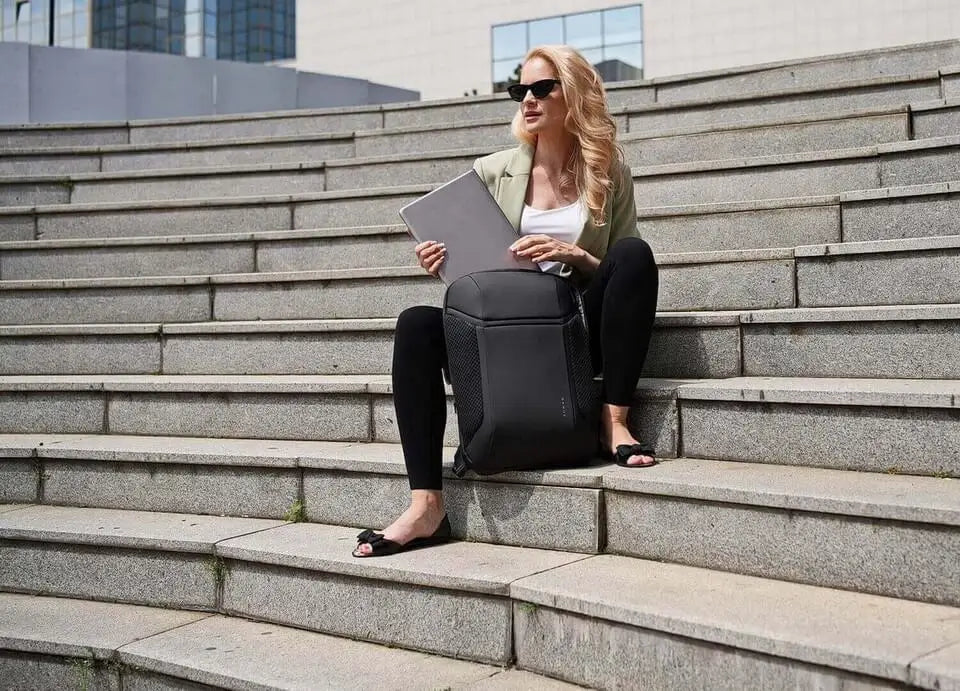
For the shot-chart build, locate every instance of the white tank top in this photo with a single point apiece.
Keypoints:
(564, 224)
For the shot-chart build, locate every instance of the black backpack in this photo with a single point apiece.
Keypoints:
(519, 363)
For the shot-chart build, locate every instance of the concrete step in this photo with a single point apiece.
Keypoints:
(221, 253)
(757, 519)
(357, 485)
(71, 160)
(786, 135)
(808, 173)
(208, 216)
(786, 222)
(878, 425)
(347, 293)
(134, 186)
(271, 252)
(752, 223)
(488, 134)
(936, 118)
(901, 212)
(894, 90)
(73, 134)
(492, 134)
(917, 80)
(761, 102)
(294, 407)
(883, 272)
(913, 342)
(877, 214)
(802, 174)
(822, 276)
(951, 80)
(237, 181)
(884, 534)
(805, 133)
(703, 344)
(808, 72)
(724, 630)
(54, 642)
(261, 563)
(792, 134)
(754, 279)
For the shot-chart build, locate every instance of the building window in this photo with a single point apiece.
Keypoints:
(612, 40)
(28, 21)
(242, 30)
(196, 28)
(254, 30)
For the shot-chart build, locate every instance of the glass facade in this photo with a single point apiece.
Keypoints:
(252, 30)
(611, 39)
(242, 30)
(28, 21)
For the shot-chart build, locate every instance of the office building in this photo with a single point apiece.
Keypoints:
(243, 30)
(446, 49)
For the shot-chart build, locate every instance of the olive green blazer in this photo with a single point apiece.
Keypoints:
(507, 173)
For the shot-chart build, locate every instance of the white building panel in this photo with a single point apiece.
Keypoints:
(443, 49)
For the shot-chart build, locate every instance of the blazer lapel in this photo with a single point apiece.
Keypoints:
(512, 191)
(512, 187)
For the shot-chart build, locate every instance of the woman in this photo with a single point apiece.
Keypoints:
(570, 195)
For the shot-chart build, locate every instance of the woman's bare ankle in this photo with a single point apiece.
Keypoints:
(614, 414)
(613, 425)
(427, 502)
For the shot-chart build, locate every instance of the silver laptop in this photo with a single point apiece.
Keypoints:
(464, 216)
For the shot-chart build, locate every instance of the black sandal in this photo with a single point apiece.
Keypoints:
(625, 451)
(382, 547)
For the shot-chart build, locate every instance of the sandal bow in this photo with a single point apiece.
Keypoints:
(369, 537)
(625, 451)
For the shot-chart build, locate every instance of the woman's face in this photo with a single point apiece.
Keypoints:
(545, 115)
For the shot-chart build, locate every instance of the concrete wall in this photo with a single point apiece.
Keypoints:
(443, 49)
(39, 84)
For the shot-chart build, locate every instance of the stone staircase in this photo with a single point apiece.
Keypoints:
(196, 322)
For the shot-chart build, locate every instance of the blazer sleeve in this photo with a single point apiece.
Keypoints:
(623, 215)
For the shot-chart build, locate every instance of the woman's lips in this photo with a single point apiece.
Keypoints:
(531, 115)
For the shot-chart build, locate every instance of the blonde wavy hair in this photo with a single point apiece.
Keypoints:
(595, 153)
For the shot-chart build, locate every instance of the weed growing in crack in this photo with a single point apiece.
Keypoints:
(217, 567)
(296, 513)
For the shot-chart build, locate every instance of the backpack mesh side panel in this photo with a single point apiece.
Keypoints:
(463, 357)
(577, 346)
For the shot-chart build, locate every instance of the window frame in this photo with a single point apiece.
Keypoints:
(494, 58)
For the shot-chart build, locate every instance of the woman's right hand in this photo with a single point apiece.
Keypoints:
(431, 254)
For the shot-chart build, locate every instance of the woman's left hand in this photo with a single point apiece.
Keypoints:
(543, 248)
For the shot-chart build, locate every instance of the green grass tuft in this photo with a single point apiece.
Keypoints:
(217, 567)
(83, 669)
(296, 513)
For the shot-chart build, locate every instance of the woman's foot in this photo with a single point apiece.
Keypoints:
(421, 519)
(614, 433)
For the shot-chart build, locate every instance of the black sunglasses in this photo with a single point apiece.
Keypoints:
(539, 89)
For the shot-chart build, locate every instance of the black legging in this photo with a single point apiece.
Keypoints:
(620, 302)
